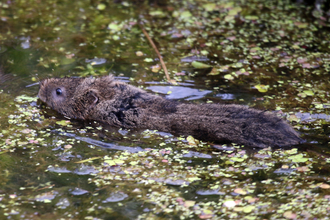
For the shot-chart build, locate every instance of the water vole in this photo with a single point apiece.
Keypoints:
(118, 104)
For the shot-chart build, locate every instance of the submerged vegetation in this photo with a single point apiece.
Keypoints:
(272, 55)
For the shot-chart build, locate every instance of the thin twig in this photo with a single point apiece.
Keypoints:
(159, 56)
(45, 187)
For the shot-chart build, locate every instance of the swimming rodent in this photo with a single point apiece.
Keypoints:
(118, 104)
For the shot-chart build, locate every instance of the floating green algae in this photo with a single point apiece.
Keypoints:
(271, 55)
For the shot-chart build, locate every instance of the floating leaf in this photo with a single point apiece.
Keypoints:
(148, 60)
(158, 13)
(209, 6)
(319, 106)
(87, 160)
(303, 169)
(204, 52)
(139, 53)
(240, 191)
(301, 25)
(293, 118)
(251, 17)
(155, 68)
(237, 65)
(324, 186)
(229, 76)
(313, 186)
(299, 158)
(206, 214)
(292, 151)
(114, 27)
(237, 159)
(229, 18)
(306, 65)
(63, 122)
(101, 6)
(194, 178)
(254, 49)
(114, 162)
(262, 88)
(200, 65)
(214, 72)
(133, 163)
(24, 98)
(234, 11)
(68, 146)
(66, 61)
(192, 141)
(301, 60)
(290, 215)
(308, 92)
(229, 204)
(248, 209)
(189, 203)
(185, 14)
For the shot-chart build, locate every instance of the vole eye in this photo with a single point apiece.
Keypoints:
(58, 91)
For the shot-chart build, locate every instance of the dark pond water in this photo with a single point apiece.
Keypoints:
(271, 55)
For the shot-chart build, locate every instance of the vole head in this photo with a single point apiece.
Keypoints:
(58, 93)
(78, 97)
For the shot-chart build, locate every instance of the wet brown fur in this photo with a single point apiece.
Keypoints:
(119, 104)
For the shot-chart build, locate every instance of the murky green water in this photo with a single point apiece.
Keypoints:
(271, 55)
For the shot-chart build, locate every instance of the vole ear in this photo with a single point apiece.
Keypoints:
(91, 98)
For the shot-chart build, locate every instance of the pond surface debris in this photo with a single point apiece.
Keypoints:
(269, 55)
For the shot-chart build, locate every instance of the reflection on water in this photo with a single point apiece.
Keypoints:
(307, 117)
(190, 59)
(96, 61)
(208, 192)
(179, 92)
(85, 170)
(79, 192)
(226, 96)
(25, 44)
(46, 196)
(58, 169)
(116, 197)
(103, 144)
(63, 203)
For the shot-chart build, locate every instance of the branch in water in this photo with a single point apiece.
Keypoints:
(159, 56)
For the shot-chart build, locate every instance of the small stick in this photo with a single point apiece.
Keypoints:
(45, 187)
(159, 56)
